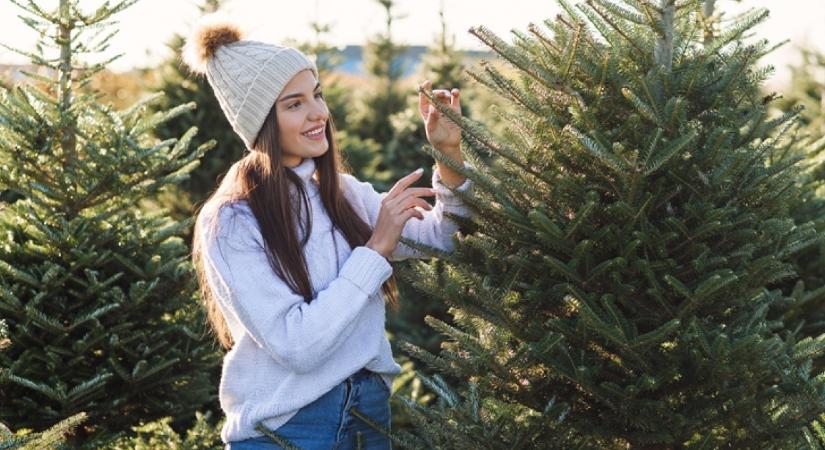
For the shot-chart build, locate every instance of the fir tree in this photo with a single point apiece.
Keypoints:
(442, 65)
(98, 294)
(159, 435)
(808, 91)
(54, 437)
(382, 61)
(630, 238)
(380, 101)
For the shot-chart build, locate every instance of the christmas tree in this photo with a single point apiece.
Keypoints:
(628, 244)
(97, 292)
(808, 90)
(442, 65)
(381, 100)
(54, 437)
(807, 314)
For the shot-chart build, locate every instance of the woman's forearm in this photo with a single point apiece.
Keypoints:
(449, 176)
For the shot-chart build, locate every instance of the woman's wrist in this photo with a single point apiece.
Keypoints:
(453, 151)
(376, 248)
(450, 177)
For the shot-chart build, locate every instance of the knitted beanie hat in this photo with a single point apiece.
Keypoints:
(246, 76)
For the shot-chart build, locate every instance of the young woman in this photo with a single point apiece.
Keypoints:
(292, 254)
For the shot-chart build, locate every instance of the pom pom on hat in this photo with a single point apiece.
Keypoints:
(210, 33)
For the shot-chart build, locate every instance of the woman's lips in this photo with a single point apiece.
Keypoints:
(317, 137)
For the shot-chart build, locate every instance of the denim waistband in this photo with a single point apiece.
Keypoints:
(361, 374)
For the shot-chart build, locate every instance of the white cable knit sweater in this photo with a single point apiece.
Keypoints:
(288, 353)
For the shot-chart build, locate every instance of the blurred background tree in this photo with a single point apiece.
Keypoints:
(379, 100)
(807, 91)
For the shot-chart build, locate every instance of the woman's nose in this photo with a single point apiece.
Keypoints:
(319, 111)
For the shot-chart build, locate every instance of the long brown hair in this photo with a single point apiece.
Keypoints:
(261, 179)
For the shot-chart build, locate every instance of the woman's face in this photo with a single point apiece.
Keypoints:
(302, 119)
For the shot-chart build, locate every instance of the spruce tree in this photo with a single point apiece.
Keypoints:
(380, 100)
(54, 437)
(808, 92)
(615, 286)
(807, 89)
(97, 292)
(443, 65)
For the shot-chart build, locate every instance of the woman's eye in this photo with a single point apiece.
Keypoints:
(294, 104)
(319, 94)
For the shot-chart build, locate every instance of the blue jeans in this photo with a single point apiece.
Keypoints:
(329, 422)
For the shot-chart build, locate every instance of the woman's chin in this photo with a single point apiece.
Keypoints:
(319, 150)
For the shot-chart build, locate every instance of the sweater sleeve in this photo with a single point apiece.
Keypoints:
(297, 334)
(435, 230)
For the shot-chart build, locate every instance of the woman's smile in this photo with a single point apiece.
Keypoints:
(315, 134)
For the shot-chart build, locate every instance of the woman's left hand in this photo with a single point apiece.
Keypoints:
(442, 133)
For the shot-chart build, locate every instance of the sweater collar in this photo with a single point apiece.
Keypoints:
(305, 170)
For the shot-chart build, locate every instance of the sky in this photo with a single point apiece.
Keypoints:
(146, 26)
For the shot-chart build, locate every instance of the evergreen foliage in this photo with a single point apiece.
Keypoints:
(442, 65)
(98, 294)
(383, 98)
(159, 435)
(54, 437)
(808, 91)
(629, 243)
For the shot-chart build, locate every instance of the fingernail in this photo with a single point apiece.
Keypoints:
(419, 170)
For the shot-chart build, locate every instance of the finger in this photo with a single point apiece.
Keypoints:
(402, 184)
(412, 212)
(433, 116)
(418, 192)
(408, 198)
(442, 95)
(414, 192)
(422, 99)
(405, 201)
(455, 102)
(410, 194)
(420, 203)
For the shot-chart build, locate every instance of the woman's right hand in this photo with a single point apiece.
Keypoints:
(397, 207)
